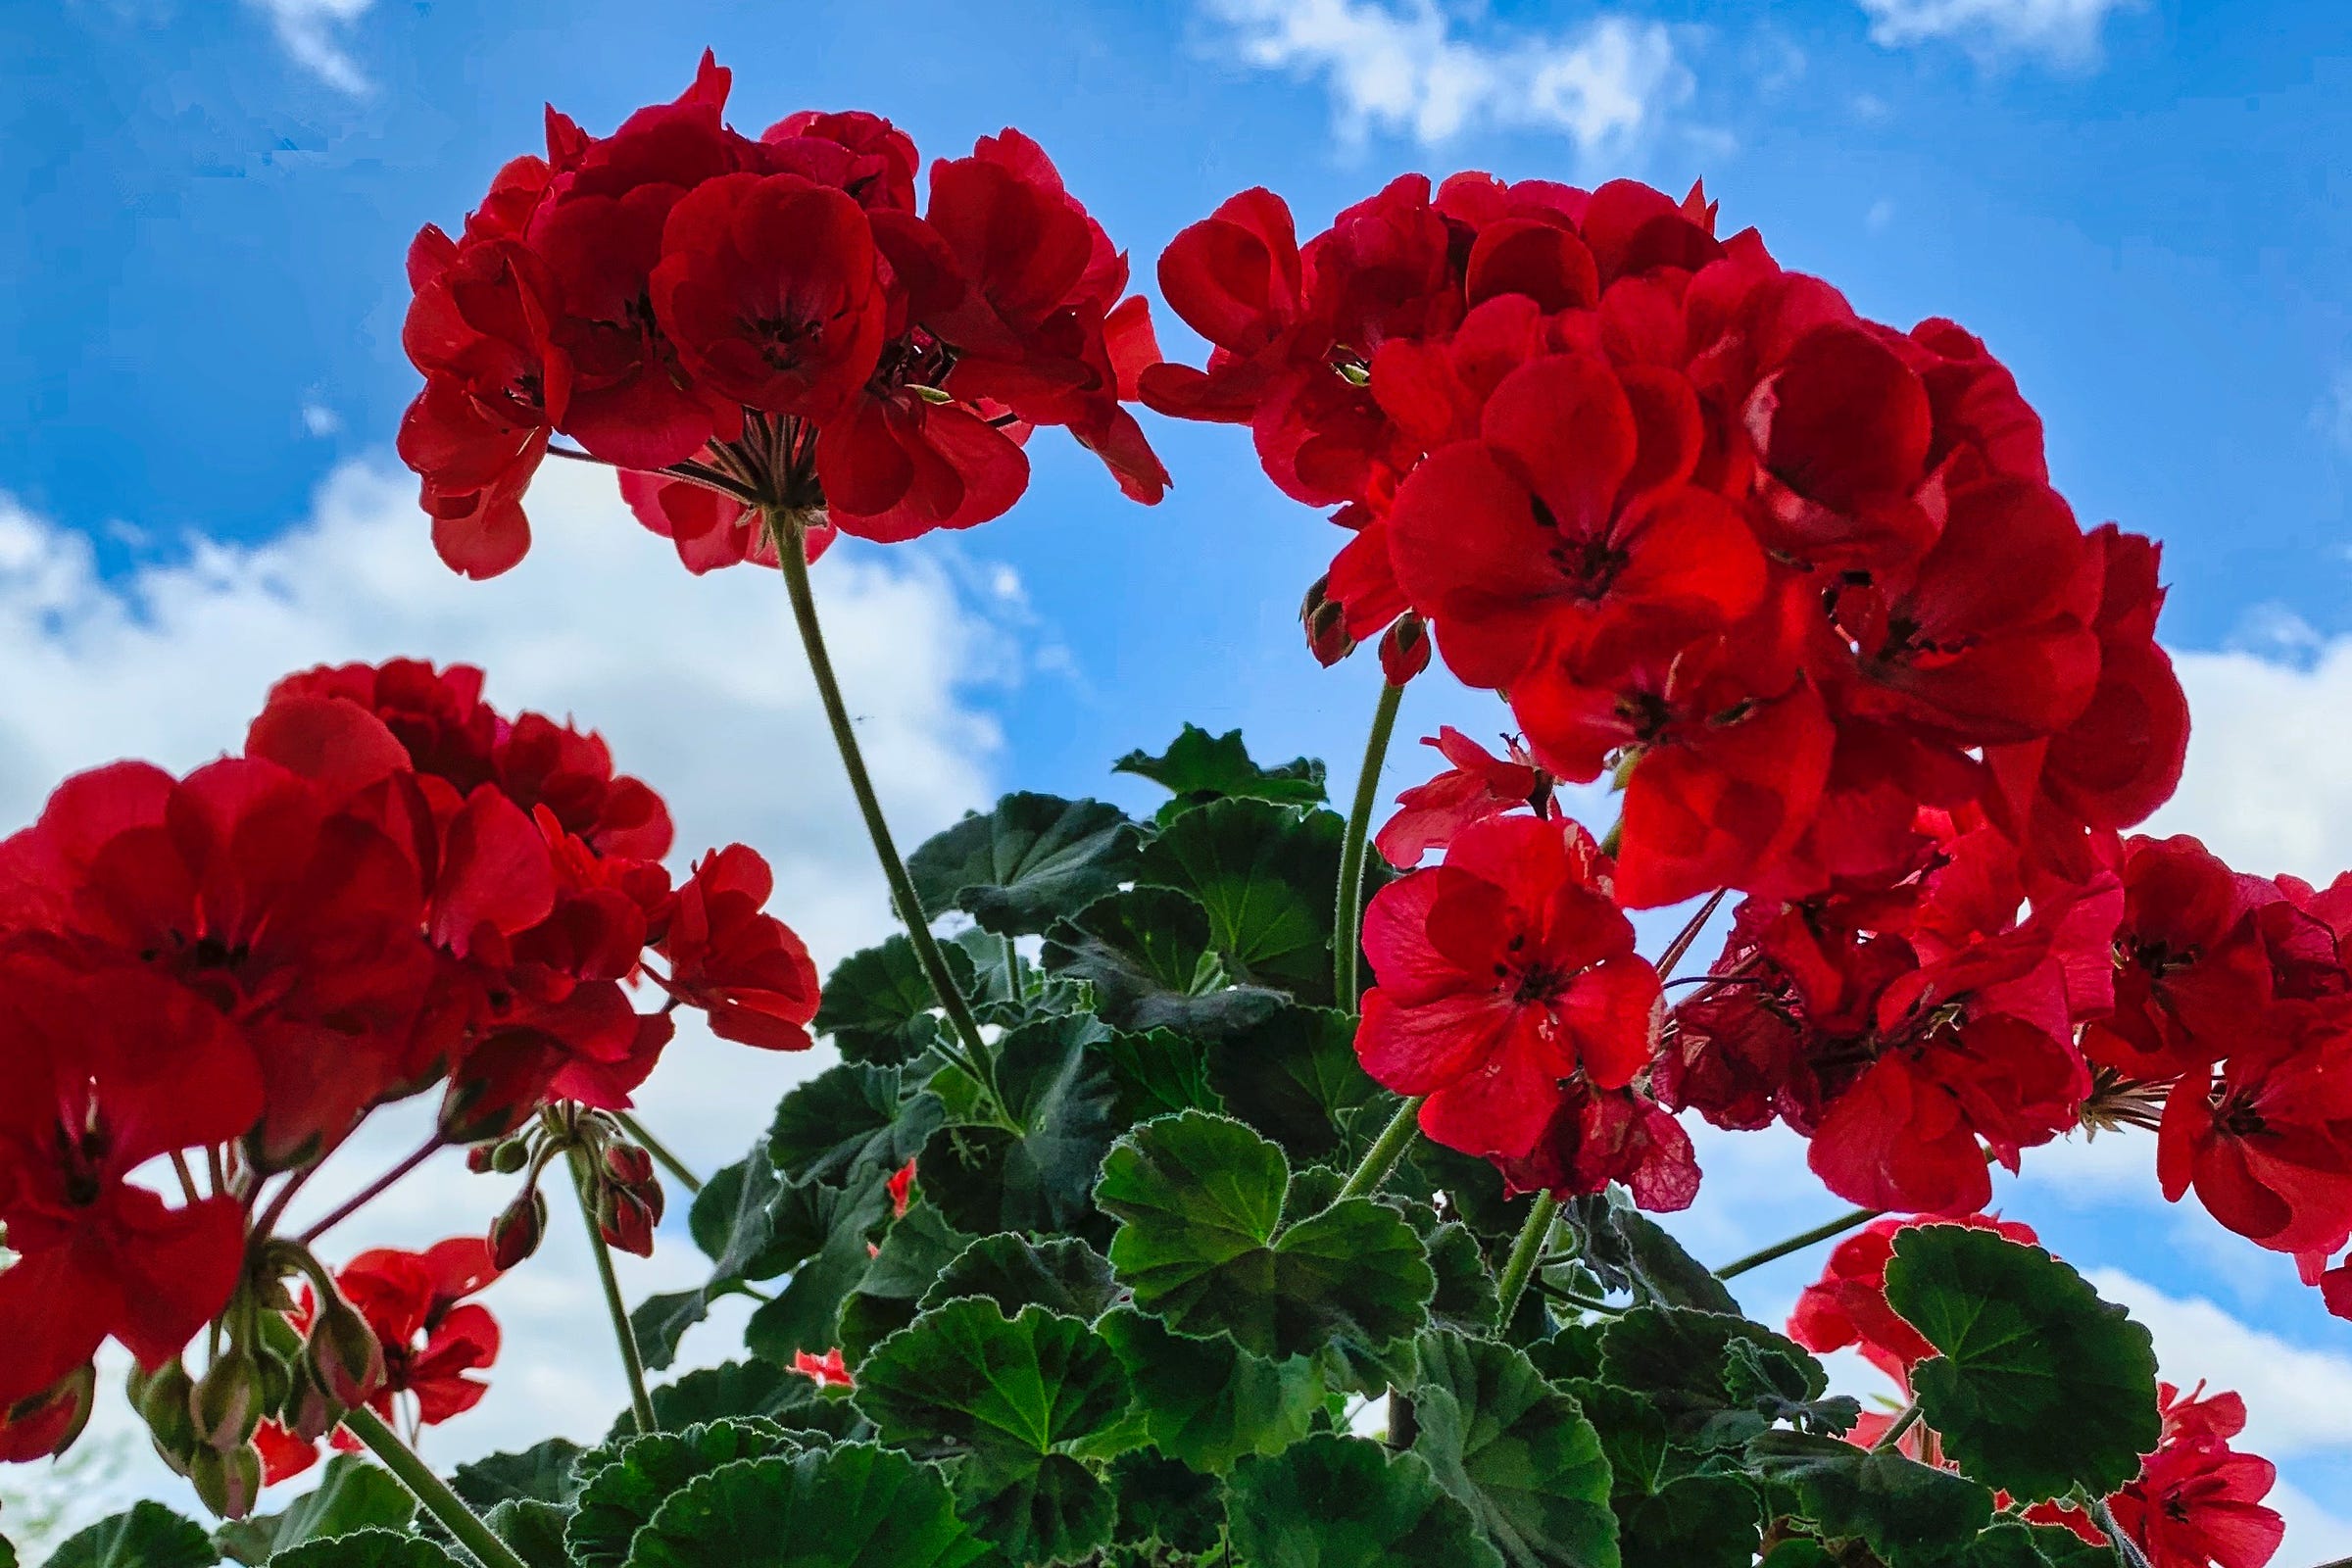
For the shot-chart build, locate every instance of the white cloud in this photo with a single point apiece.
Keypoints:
(311, 32)
(2063, 31)
(2269, 782)
(319, 419)
(2298, 1401)
(1409, 70)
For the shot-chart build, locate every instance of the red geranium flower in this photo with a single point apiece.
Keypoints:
(1599, 1135)
(827, 1371)
(742, 966)
(2197, 1503)
(1478, 785)
(2189, 965)
(2267, 1140)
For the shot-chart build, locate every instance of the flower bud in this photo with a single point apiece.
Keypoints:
(1326, 621)
(228, 1482)
(226, 1402)
(479, 1157)
(626, 1221)
(1404, 648)
(628, 1164)
(43, 1425)
(346, 1361)
(277, 1379)
(519, 1229)
(167, 1406)
(307, 1412)
(511, 1157)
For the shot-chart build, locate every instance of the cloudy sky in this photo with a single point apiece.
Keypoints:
(2140, 203)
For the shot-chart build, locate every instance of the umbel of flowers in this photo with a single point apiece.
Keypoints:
(1198, 1149)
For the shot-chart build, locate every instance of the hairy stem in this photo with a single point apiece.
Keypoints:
(429, 1489)
(1348, 922)
(668, 1161)
(368, 1193)
(1521, 1266)
(1895, 1434)
(641, 1405)
(1386, 1151)
(2126, 1551)
(1799, 1242)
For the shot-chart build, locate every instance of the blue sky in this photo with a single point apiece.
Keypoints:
(2145, 207)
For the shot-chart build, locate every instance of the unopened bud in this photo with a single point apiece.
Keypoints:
(166, 1406)
(628, 1164)
(519, 1229)
(479, 1157)
(1404, 648)
(307, 1413)
(228, 1482)
(226, 1404)
(346, 1360)
(626, 1221)
(44, 1425)
(509, 1158)
(1326, 621)
(277, 1380)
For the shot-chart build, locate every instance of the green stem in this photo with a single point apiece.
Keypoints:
(1521, 1265)
(2126, 1551)
(429, 1489)
(1583, 1303)
(1348, 920)
(662, 1156)
(1799, 1242)
(792, 552)
(1386, 1151)
(1895, 1434)
(632, 1363)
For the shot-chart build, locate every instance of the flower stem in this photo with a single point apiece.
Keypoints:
(631, 1363)
(662, 1156)
(367, 1194)
(1895, 1434)
(1347, 932)
(790, 534)
(429, 1489)
(1386, 1151)
(1521, 1265)
(2126, 1551)
(1799, 1242)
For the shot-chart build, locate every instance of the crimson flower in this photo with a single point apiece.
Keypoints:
(2197, 1503)
(2265, 1140)
(2189, 965)
(1478, 785)
(827, 1371)
(742, 966)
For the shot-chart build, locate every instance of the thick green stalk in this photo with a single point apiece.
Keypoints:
(788, 532)
(1386, 1151)
(1348, 922)
(1521, 1265)
(429, 1489)
(632, 1363)
(1895, 1434)
(1799, 1242)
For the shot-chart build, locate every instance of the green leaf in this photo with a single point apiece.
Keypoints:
(1465, 1296)
(1166, 1503)
(917, 1246)
(352, 1495)
(543, 1473)
(1157, 1073)
(1063, 1275)
(1570, 1352)
(1516, 1451)
(850, 1118)
(146, 1536)
(852, 1506)
(966, 1374)
(1198, 768)
(743, 1389)
(1633, 1436)
(1907, 1511)
(623, 1484)
(1292, 1076)
(1346, 1502)
(367, 1548)
(730, 1222)
(1630, 1251)
(1031, 860)
(1208, 1403)
(805, 1314)
(1264, 877)
(1683, 1362)
(8, 1553)
(878, 1004)
(1198, 1199)
(1695, 1522)
(987, 1179)
(1038, 1508)
(533, 1530)
(2013, 1544)
(1147, 953)
(2041, 1386)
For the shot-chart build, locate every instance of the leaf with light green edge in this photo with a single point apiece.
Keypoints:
(1198, 1199)
(917, 1246)
(1694, 1522)
(1633, 1436)
(1157, 1074)
(1036, 1508)
(532, 1530)
(1907, 1511)
(1198, 768)
(1517, 1451)
(743, 1389)
(2013, 1544)
(1265, 876)
(1471, 1188)
(1572, 1351)
(1164, 1503)
(363, 1549)
(1292, 1076)
(1344, 1502)
(1630, 1251)
(965, 1374)
(1208, 1403)
(806, 1313)
(878, 1005)
(2040, 1386)
(1466, 1298)
(147, 1535)
(849, 1117)
(1680, 1359)
(1146, 952)
(8, 1553)
(1042, 1178)
(854, 1507)
(1033, 858)
(1062, 1275)
(543, 1473)
(624, 1483)
(1775, 1387)
(352, 1495)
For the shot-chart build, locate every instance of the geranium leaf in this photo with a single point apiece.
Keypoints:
(1164, 1503)
(360, 1548)
(1147, 953)
(878, 1004)
(743, 1389)
(1291, 1076)
(533, 1530)
(1695, 1522)
(1633, 1436)
(543, 1473)
(849, 1117)
(1682, 1361)
(623, 1484)
(1465, 1296)
(147, 1535)
(1063, 1275)
(1907, 1511)
(1156, 1073)
(1033, 858)
(917, 1246)
(1517, 1451)
(1264, 874)
(852, 1506)
(1344, 1502)
(1208, 1401)
(2013, 1544)
(352, 1495)
(1631, 1251)
(2041, 1386)
(1199, 1199)
(1042, 1178)
(806, 1313)
(964, 1375)
(1198, 768)
(1037, 1508)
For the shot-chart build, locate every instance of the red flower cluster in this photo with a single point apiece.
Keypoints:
(1792, 573)
(433, 1338)
(2196, 1503)
(393, 888)
(772, 318)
